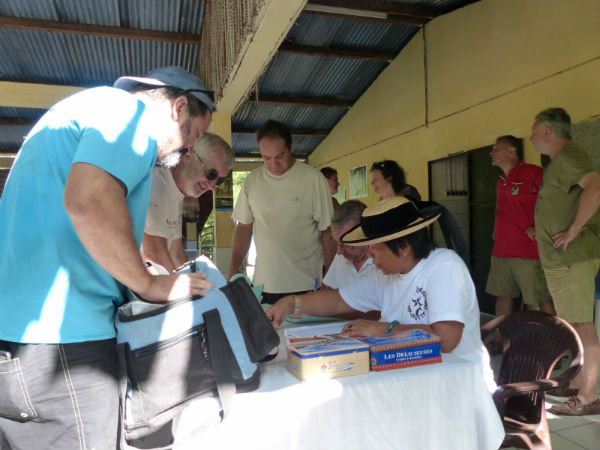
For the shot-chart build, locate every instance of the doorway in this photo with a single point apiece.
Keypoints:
(466, 185)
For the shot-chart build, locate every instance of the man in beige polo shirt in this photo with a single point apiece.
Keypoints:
(287, 206)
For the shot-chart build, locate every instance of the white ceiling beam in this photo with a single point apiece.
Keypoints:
(275, 20)
(33, 95)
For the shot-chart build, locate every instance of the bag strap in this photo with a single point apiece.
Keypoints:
(217, 348)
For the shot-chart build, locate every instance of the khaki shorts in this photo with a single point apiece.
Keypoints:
(511, 277)
(572, 288)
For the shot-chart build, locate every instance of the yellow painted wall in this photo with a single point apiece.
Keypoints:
(491, 66)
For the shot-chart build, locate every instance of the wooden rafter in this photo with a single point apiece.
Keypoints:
(10, 149)
(16, 121)
(300, 100)
(373, 10)
(258, 157)
(400, 9)
(295, 132)
(336, 52)
(97, 30)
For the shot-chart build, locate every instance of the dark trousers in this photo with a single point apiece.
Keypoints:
(59, 396)
(270, 298)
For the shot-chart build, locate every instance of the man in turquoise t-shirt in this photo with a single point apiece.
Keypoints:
(71, 219)
(567, 226)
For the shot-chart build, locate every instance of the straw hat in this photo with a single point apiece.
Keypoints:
(386, 220)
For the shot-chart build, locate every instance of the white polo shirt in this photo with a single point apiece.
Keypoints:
(342, 272)
(165, 209)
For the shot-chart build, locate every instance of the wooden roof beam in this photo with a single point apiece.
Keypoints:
(273, 24)
(300, 100)
(16, 121)
(336, 52)
(257, 157)
(294, 132)
(9, 150)
(374, 11)
(98, 30)
(33, 95)
(381, 7)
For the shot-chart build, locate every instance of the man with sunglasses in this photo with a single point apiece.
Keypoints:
(201, 168)
(349, 263)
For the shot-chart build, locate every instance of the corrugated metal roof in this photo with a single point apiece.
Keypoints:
(13, 136)
(253, 115)
(301, 145)
(327, 31)
(319, 76)
(72, 59)
(21, 113)
(85, 60)
(331, 31)
(164, 15)
(442, 5)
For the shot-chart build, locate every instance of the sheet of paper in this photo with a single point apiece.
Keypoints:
(315, 330)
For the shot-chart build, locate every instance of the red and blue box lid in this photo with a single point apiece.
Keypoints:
(403, 349)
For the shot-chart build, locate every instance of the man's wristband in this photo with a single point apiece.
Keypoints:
(296, 304)
(391, 326)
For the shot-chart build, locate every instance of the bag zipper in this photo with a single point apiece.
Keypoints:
(145, 351)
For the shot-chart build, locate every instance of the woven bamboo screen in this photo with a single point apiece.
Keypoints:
(227, 25)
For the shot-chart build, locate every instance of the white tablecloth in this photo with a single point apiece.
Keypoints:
(439, 406)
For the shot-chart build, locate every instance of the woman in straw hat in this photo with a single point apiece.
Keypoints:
(417, 286)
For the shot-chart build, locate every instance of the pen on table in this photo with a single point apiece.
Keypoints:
(316, 284)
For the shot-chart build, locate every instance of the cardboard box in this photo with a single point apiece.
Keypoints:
(405, 349)
(326, 356)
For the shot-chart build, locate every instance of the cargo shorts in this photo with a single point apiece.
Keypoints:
(572, 288)
(511, 277)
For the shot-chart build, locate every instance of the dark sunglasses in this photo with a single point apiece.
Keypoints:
(210, 174)
(210, 94)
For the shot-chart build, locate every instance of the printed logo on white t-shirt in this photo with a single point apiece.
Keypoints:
(417, 307)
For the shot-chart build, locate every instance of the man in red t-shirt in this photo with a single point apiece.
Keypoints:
(515, 266)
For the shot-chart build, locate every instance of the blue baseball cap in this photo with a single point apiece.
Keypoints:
(172, 76)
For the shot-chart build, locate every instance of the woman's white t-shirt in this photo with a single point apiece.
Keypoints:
(438, 288)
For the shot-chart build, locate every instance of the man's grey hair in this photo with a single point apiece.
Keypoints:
(348, 212)
(210, 144)
(558, 120)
